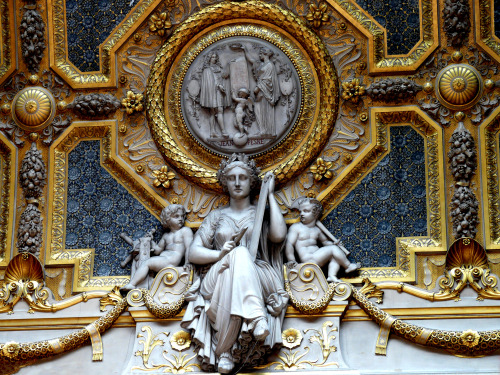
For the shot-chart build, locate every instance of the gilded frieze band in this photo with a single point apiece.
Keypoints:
(8, 41)
(490, 173)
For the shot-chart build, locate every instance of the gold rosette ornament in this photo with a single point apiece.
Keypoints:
(163, 177)
(159, 23)
(317, 15)
(321, 169)
(132, 102)
(469, 338)
(10, 349)
(352, 90)
(33, 108)
(459, 86)
(291, 338)
(180, 340)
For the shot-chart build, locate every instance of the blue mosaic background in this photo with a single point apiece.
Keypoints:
(496, 15)
(401, 19)
(88, 24)
(389, 202)
(99, 209)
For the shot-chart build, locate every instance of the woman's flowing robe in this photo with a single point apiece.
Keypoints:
(235, 293)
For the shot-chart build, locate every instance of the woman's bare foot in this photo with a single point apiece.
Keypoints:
(261, 330)
(226, 363)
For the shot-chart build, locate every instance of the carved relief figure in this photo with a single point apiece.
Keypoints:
(241, 94)
(304, 237)
(215, 92)
(243, 112)
(267, 91)
(236, 314)
(170, 250)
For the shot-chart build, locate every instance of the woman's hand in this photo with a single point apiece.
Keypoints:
(270, 177)
(226, 249)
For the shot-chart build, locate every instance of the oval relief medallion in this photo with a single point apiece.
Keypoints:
(242, 94)
(255, 80)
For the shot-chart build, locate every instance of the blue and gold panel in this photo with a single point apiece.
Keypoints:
(389, 202)
(401, 34)
(401, 20)
(85, 35)
(88, 24)
(94, 197)
(99, 209)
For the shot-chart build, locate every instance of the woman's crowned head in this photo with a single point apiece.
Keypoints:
(244, 162)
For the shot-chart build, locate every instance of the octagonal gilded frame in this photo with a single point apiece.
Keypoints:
(290, 157)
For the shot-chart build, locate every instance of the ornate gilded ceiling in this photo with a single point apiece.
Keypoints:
(94, 90)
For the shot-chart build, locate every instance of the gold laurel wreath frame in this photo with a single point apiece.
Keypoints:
(287, 160)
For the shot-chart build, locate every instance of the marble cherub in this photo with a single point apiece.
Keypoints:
(172, 247)
(313, 243)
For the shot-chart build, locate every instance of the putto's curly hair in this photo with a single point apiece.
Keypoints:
(242, 161)
(168, 211)
(317, 206)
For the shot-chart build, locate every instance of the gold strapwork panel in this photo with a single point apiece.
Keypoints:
(255, 80)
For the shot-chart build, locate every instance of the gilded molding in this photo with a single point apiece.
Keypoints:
(7, 41)
(317, 115)
(490, 172)
(484, 34)
(60, 62)
(379, 62)
(8, 158)
(83, 279)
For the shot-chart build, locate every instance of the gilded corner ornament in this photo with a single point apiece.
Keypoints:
(159, 23)
(133, 102)
(352, 90)
(321, 169)
(318, 14)
(163, 177)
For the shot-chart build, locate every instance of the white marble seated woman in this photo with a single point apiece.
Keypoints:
(236, 314)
